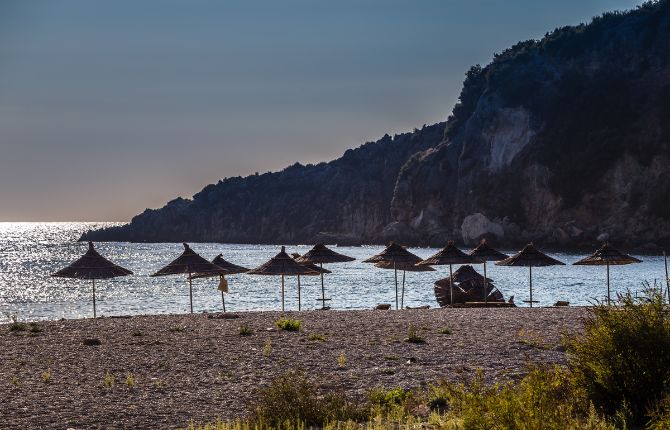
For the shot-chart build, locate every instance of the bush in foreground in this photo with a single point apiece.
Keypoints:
(622, 360)
(292, 398)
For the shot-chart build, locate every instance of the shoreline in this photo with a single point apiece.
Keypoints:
(199, 367)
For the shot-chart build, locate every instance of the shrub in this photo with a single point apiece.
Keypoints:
(388, 398)
(293, 398)
(544, 399)
(317, 337)
(341, 360)
(16, 325)
(267, 348)
(287, 324)
(47, 376)
(130, 380)
(413, 336)
(35, 328)
(245, 330)
(623, 355)
(108, 381)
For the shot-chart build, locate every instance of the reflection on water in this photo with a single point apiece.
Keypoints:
(30, 252)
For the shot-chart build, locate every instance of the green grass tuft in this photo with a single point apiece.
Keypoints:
(245, 330)
(413, 336)
(287, 324)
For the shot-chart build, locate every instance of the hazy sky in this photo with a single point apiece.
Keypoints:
(109, 107)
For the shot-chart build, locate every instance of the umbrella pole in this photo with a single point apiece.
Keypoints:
(667, 279)
(323, 289)
(190, 289)
(395, 272)
(486, 285)
(282, 293)
(93, 280)
(298, 292)
(608, 284)
(530, 283)
(402, 296)
(451, 286)
(223, 301)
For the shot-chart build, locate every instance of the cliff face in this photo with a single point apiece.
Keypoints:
(564, 141)
(561, 141)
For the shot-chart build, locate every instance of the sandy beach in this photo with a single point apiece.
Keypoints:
(198, 367)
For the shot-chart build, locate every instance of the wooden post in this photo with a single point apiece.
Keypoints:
(94, 315)
(298, 292)
(608, 284)
(667, 279)
(323, 289)
(395, 273)
(451, 286)
(190, 289)
(402, 296)
(530, 279)
(486, 285)
(282, 292)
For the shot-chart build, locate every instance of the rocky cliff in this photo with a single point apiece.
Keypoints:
(563, 140)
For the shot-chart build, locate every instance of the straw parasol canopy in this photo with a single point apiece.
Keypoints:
(92, 266)
(396, 255)
(321, 270)
(189, 262)
(449, 255)
(282, 265)
(530, 257)
(226, 268)
(607, 256)
(484, 252)
(405, 267)
(320, 254)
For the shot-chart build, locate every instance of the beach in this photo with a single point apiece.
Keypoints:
(162, 371)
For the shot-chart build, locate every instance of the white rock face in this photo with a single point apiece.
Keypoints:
(476, 226)
(507, 136)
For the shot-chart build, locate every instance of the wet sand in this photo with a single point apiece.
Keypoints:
(199, 367)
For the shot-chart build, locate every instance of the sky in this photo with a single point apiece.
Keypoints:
(111, 107)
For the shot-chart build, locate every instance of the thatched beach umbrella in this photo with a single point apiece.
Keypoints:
(530, 257)
(282, 264)
(190, 263)
(484, 252)
(226, 268)
(607, 256)
(405, 267)
(320, 254)
(314, 267)
(396, 255)
(450, 255)
(92, 266)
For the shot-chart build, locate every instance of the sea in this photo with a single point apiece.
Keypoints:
(31, 252)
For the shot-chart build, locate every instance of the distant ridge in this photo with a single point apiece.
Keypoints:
(564, 140)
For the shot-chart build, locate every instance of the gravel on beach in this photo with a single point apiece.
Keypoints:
(163, 371)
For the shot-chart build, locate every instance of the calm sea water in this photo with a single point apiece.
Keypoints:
(30, 252)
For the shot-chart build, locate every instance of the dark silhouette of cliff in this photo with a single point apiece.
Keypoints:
(563, 140)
